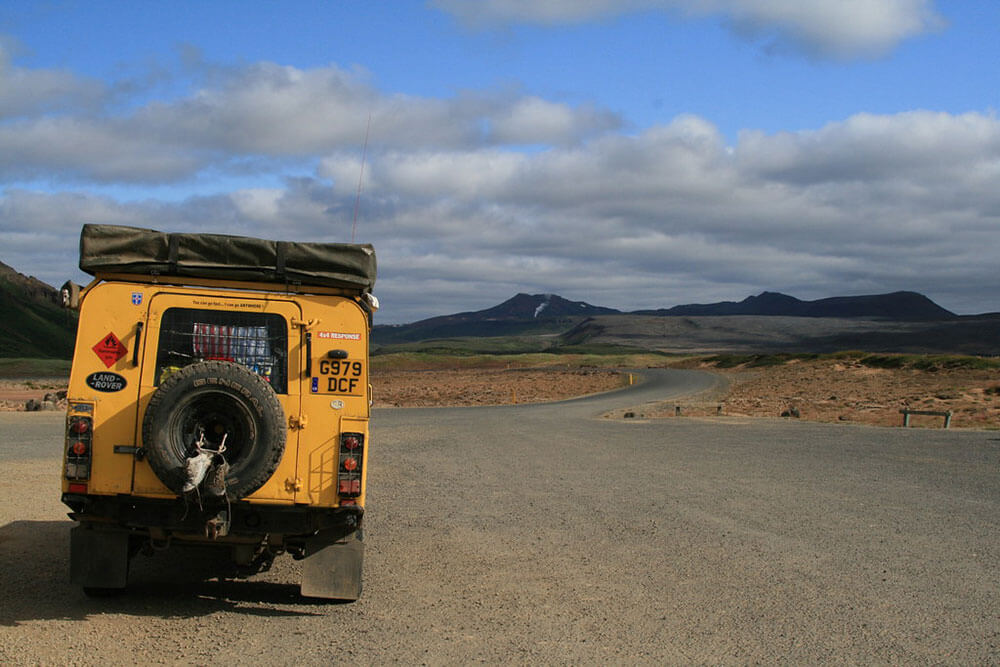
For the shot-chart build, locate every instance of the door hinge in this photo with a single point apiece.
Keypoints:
(293, 485)
(305, 324)
(297, 421)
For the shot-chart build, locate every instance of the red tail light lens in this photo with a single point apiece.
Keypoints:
(350, 471)
(79, 441)
(349, 487)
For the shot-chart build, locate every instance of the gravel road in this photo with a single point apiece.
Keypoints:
(546, 534)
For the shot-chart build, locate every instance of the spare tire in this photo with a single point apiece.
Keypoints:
(218, 398)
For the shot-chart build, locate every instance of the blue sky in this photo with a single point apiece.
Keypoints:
(633, 154)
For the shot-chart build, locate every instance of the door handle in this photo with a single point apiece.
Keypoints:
(135, 346)
(309, 353)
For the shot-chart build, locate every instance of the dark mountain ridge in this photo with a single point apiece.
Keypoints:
(32, 324)
(532, 314)
(896, 306)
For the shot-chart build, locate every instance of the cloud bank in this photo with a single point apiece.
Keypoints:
(473, 198)
(844, 29)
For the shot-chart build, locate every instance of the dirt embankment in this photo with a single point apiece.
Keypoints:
(31, 395)
(487, 386)
(828, 390)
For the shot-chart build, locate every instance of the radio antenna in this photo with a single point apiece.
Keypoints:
(361, 176)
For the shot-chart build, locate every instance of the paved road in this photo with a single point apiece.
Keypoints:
(546, 534)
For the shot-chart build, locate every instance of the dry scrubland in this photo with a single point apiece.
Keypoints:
(853, 388)
(849, 387)
(848, 390)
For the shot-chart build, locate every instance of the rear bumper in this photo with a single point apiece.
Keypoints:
(172, 518)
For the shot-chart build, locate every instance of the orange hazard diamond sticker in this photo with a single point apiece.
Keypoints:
(110, 349)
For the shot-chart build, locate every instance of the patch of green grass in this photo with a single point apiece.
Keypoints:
(929, 362)
(30, 368)
(605, 350)
(433, 360)
(512, 351)
(847, 355)
(922, 362)
(756, 360)
(888, 361)
(465, 346)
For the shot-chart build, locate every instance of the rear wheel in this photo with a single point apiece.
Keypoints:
(218, 399)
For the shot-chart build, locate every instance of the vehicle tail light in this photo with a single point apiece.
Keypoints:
(79, 438)
(349, 471)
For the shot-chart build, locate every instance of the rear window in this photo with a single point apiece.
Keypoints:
(258, 341)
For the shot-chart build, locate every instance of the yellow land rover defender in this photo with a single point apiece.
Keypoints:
(219, 396)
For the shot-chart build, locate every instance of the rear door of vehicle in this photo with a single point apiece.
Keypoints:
(335, 400)
(260, 332)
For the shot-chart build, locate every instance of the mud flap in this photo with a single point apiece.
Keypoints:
(332, 569)
(98, 558)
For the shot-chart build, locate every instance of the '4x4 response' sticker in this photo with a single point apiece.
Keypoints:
(109, 349)
(336, 335)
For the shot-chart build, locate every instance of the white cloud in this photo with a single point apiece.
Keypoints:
(535, 121)
(270, 112)
(868, 146)
(98, 150)
(667, 216)
(25, 91)
(676, 206)
(463, 215)
(463, 174)
(838, 29)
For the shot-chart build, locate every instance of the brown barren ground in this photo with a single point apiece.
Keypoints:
(419, 388)
(829, 390)
(487, 386)
(824, 390)
(15, 393)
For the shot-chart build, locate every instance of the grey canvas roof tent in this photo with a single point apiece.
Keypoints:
(117, 249)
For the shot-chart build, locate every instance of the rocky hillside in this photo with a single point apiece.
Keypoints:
(32, 322)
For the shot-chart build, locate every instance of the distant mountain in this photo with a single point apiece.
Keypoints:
(897, 306)
(521, 314)
(533, 314)
(538, 306)
(32, 321)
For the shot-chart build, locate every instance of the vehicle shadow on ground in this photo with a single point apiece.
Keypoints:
(34, 583)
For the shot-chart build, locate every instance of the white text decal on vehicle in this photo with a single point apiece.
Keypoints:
(338, 336)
